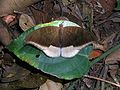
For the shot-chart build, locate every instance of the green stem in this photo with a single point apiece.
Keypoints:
(105, 54)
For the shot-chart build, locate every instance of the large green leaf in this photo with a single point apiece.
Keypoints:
(64, 68)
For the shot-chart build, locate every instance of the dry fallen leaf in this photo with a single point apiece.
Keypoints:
(9, 6)
(112, 61)
(9, 18)
(5, 37)
(102, 8)
(113, 58)
(108, 41)
(51, 85)
(25, 22)
(67, 2)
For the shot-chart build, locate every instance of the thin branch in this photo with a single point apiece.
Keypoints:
(96, 78)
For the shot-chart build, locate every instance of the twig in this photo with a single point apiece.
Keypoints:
(96, 78)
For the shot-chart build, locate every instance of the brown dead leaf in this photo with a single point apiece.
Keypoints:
(25, 22)
(115, 17)
(112, 61)
(28, 81)
(51, 85)
(9, 18)
(51, 10)
(108, 41)
(39, 16)
(9, 6)
(5, 37)
(67, 2)
(102, 8)
(113, 58)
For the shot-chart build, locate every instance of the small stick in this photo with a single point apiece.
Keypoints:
(103, 80)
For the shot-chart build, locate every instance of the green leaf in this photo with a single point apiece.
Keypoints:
(63, 68)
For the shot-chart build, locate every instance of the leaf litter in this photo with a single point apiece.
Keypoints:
(105, 25)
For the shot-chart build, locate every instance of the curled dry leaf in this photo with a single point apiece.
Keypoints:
(8, 19)
(51, 85)
(25, 22)
(5, 37)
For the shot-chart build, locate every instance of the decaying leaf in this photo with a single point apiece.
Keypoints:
(115, 17)
(25, 22)
(113, 58)
(9, 18)
(5, 37)
(107, 42)
(67, 2)
(13, 73)
(26, 81)
(112, 61)
(46, 13)
(9, 6)
(51, 85)
(102, 8)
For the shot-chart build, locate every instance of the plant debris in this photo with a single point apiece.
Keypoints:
(101, 17)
